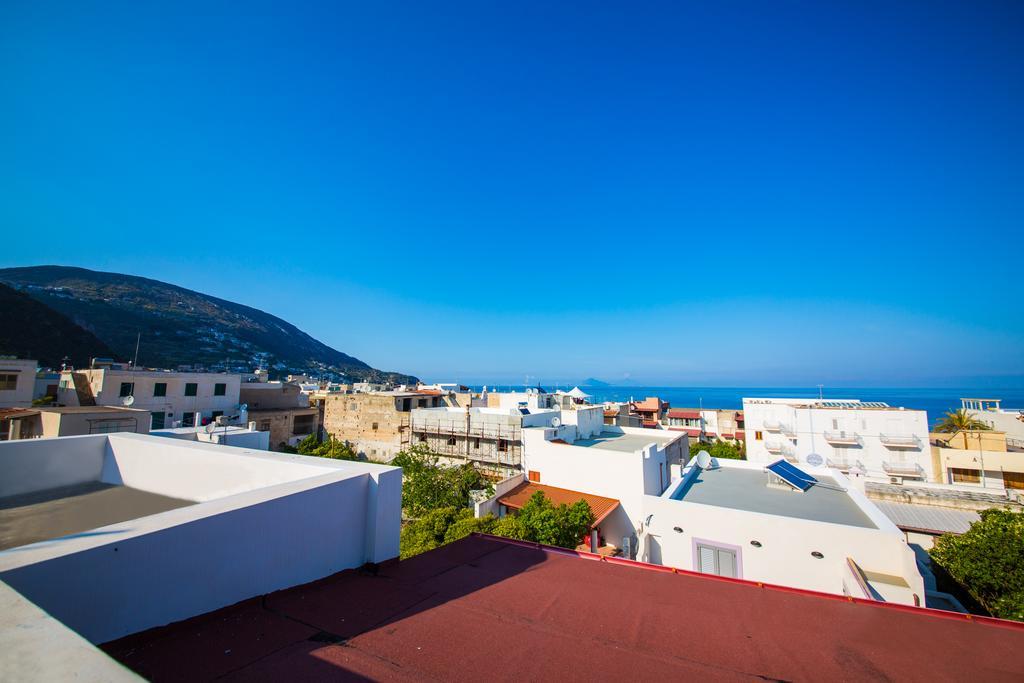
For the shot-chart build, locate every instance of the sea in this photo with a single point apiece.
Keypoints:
(936, 402)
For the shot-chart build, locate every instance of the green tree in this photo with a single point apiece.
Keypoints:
(331, 448)
(427, 485)
(718, 449)
(563, 525)
(960, 421)
(988, 561)
(440, 526)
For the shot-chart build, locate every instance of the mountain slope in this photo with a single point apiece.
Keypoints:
(51, 335)
(180, 326)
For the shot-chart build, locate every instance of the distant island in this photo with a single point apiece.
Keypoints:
(591, 382)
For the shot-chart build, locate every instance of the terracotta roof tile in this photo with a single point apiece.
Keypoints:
(599, 505)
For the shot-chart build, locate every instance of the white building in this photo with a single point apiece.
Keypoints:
(624, 463)
(738, 520)
(991, 412)
(173, 399)
(849, 435)
(17, 382)
(114, 534)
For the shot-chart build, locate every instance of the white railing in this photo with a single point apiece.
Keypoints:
(851, 438)
(772, 426)
(844, 465)
(900, 441)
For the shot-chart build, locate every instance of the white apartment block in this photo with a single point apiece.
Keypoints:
(173, 399)
(991, 412)
(870, 438)
(738, 520)
(17, 382)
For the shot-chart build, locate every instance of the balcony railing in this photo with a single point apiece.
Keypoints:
(844, 464)
(772, 426)
(904, 469)
(844, 438)
(781, 448)
(900, 441)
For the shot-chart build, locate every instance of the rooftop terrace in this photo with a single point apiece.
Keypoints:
(492, 609)
(53, 513)
(626, 443)
(747, 489)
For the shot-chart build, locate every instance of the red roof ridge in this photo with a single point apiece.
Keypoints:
(923, 611)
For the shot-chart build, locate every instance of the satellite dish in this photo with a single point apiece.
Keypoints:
(555, 422)
(815, 460)
(127, 400)
(210, 428)
(704, 460)
(243, 407)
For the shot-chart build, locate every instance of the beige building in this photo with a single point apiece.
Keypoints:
(978, 458)
(376, 424)
(17, 382)
(48, 422)
(173, 399)
(280, 408)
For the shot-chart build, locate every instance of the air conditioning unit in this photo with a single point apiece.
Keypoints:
(896, 480)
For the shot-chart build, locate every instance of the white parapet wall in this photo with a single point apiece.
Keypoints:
(261, 522)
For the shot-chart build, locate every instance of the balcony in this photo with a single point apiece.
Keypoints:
(844, 464)
(844, 438)
(778, 427)
(781, 448)
(900, 441)
(903, 469)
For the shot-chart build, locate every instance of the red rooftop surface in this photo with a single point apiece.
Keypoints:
(493, 609)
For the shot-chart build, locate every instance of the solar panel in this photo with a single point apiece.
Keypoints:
(793, 476)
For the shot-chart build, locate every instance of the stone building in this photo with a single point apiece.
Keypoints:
(281, 409)
(376, 424)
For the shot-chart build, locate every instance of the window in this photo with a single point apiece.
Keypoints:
(304, 424)
(422, 403)
(127, 389)
(451, 440)
(835, 424)
(220, 389)
(10, 383)
(476, 443)
(502, 445)
(374, 426)
(215, 414)
(191, 388)
(188, 419)
(533, 475)
(1013, 480)
(111, 426)
(157, 420)
(714, 560)
(264, 425)
(160, 389)
(758, 436)
(965, 476)
(406, 405)
(423, 438)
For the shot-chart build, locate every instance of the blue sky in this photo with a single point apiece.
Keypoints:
(728, 193)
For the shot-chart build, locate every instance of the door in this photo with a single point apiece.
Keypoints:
(157, 421)
(188, 419)
(714, 560)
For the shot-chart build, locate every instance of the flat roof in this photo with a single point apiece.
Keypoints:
(494, 609)
(44, 515)
(625, 443)
(71, 410)
(747, 489)
(928, 518)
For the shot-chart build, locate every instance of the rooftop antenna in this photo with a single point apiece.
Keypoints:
(137, 340)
